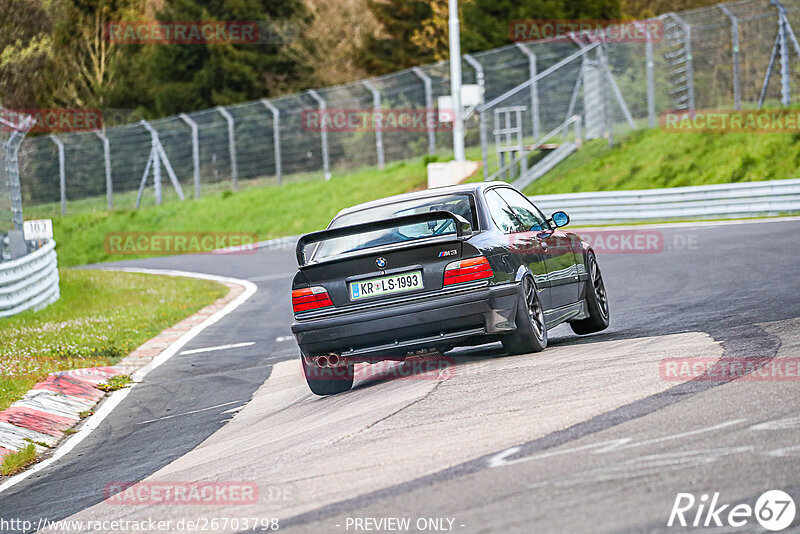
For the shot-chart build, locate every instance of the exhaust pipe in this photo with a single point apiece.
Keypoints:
(333, 360)
(322, 361)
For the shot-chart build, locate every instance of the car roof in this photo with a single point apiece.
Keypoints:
(436, 191)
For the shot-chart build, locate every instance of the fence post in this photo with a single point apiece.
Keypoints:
(784, 33)
(195, 152)
(479, 77)
(687, 35)
(609, 127)
(326, 169)
(156, 162)
(651, 95)
(107, 159)
(573, 99)
(276, 137)
(651, 105)
(737, 102)
(426, 82)
(231, 146)
(62, 178)
(12, 171)
(484, 144)
(376, 108)
(157, 156)
(534, 88)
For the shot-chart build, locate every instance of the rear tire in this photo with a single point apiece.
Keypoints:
(596, 300)
(531, 332)
(327, 380)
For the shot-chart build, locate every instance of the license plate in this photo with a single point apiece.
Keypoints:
(386, 285)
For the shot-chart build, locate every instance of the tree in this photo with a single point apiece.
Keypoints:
(331, 39)
(415, 32)
(26, 50)
(393, 48)
(194, 76)
(432, 36)
(486, 22)
(89, 67)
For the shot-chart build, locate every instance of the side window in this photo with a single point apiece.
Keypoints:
(523, 209)
(501, 213)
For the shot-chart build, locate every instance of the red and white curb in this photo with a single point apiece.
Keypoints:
(55, 404)
(51, 407)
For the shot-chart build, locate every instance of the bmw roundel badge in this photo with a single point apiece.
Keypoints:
(381, 263)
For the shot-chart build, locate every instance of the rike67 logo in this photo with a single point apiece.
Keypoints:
(774, 510)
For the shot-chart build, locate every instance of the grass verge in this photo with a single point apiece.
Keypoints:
(647, 159)
(268, 211)
(17, 461)
(101, 317)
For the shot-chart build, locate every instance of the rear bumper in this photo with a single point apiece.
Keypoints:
(396, 330)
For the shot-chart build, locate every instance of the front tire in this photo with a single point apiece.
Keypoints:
(596, 300)
(327, 380)
(531, 332)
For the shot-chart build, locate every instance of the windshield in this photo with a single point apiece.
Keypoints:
(459, 204)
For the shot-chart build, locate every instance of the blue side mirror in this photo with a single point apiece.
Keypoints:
(560, 219)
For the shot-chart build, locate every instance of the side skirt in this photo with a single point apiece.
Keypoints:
(575, 311)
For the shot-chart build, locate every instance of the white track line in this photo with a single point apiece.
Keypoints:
(267, 277)
(219, 347)
(190, 412)
(118, 396)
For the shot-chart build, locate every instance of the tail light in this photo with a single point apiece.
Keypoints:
(310, 298)
(467, 271)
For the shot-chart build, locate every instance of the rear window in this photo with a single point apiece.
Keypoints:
(459, 204)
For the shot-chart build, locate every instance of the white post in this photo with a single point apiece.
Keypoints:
(737, 99)
(107, 158)
(195, 152)
(532, 72)
(276, 137)
(62, 178)
(156, 162)
(426, 82)
(376, 109)
(455, 79)
(326, 169)
(648, 54)
(231, 146)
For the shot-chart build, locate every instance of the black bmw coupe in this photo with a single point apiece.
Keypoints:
(435, 269)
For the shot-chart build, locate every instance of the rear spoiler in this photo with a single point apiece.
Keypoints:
(324, 235)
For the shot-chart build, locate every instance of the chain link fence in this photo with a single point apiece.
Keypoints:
(716, 57)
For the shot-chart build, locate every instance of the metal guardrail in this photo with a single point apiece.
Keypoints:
(30, 282)
(751, 199)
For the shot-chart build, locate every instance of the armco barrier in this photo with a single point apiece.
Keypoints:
(751, 199)
(30, 282)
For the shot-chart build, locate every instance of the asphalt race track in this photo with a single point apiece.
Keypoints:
(586, 436)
